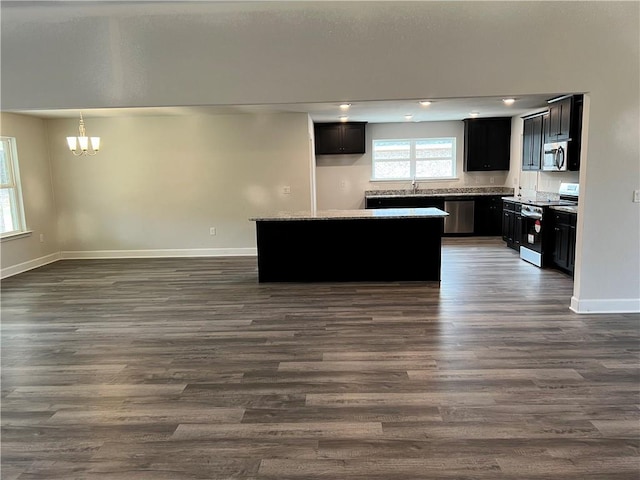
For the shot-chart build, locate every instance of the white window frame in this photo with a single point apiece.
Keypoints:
(412, 159)
(14, 188)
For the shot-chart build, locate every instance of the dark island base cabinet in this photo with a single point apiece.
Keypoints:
(360, 250)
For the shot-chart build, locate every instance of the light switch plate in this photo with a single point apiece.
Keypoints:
(636, 196)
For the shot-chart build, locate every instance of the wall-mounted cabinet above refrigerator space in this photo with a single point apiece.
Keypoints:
(343, 138)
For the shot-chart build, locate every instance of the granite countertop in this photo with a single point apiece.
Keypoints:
(382, 213)
(556, 204)
(565, 208)
(440, 192)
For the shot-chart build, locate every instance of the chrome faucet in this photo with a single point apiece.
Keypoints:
(414, 184)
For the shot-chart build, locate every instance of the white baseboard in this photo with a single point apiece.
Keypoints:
(30, 265)
(616, 305)
(166, 253)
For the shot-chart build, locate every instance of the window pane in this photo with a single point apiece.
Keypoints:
(391, 150)
(436, 148)
(11, 212)
(6, 211)
(5, 177)
(434, 168)
(392, 170)
(426, 158)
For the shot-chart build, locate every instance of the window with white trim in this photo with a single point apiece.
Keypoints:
(419, 158)
(11, 210)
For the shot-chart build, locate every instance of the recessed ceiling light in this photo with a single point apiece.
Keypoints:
(343, 118)
(408, 116)
(424, 103)
(345, 106)
(474, 114)
(508, 101)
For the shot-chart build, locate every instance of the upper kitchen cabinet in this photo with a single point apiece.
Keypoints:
(487, 144)
(532, 139)
(565, 124)
(339, 138)
(558, 126)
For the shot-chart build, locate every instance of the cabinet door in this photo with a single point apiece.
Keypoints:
(498, 144)
(553, 124)
(561, 245)
(487, 144)
(328, 138)
(517, 231)
(571, 249)
(475, 145)
(536, 142)
(527, 144)
(559, 124)
(353, 138)
(564, 126)
(487, 217)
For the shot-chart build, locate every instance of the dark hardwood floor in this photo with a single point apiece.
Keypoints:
(190, 369)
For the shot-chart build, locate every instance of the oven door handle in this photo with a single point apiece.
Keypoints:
(535, 215)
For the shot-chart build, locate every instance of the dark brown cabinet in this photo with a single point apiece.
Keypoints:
(563, 248)
(487, 212)
(487, 144)
(558, 127)
(512, 224)
(487, 218)
(404, 202)
(342, 138)
(532, 139)
(565, 124)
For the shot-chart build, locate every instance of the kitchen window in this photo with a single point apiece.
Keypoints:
(11, 210)
(419, 158)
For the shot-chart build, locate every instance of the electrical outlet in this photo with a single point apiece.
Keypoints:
(42, 238)
(492, 180)
(286, 189)
(343, 184)
(636, 196)
(212, 231)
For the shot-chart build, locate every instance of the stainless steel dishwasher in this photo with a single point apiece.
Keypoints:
(460, 219)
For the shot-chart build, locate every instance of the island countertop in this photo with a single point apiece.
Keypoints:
(385, 213)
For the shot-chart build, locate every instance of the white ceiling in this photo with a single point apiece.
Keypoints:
(378, 111)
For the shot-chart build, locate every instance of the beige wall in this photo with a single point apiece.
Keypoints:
(161, 182)
(39, 202)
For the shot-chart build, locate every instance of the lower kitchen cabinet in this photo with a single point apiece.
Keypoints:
(563, 241)
(512, 224)
(404, 202)
(487, 211)
(487, 220)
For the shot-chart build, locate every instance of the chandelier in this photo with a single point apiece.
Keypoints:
(83, 141)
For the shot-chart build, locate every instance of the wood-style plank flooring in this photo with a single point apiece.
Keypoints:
(191, 369)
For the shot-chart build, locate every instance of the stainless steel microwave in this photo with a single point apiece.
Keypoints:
(555, 157)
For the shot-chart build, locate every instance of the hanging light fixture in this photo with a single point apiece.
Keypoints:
(83, 142)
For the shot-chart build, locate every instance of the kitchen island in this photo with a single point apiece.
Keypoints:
(395, 244)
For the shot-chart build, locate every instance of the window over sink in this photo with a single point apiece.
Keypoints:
(419, 158)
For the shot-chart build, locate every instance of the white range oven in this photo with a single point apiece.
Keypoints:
(536, 236)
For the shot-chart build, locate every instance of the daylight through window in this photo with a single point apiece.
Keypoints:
(11, 212)
(420, 158)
